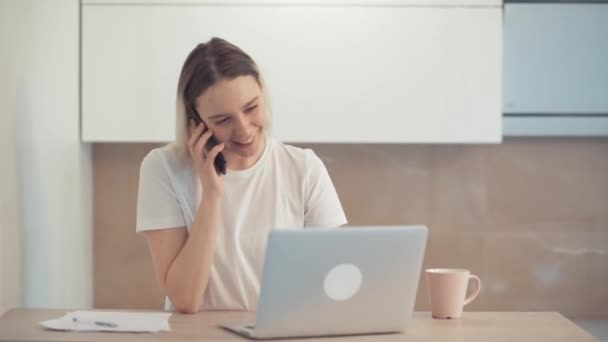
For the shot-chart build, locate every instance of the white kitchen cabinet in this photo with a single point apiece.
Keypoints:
(556, 69)
(335, 73)
(301, 2)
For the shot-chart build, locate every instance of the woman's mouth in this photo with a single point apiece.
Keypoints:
(245, 143)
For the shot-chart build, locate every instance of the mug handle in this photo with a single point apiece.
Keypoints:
(476, 291)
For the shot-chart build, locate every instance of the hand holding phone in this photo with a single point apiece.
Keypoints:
(220, 161)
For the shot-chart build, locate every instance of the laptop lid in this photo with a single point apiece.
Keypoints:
(355, 280)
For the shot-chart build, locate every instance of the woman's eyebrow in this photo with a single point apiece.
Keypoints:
(217, 116)
(249, 103)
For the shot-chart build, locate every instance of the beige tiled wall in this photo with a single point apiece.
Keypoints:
(529, 216)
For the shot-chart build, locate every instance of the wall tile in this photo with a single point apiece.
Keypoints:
(537, 272)
(124, 275)
(459, 194)
(595, 287)
(529, 216)
(380, 184)
(538, 181)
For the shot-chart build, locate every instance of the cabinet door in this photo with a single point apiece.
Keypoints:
(556, 59)
(334, 73)
(304, 2)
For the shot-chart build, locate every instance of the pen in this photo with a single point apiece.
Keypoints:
(103, 324)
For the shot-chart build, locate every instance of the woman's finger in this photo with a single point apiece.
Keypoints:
(195, 133)
(199, 147)
(214, 152)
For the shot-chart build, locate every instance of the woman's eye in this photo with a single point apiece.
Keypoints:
(250, 109)
(222, 121)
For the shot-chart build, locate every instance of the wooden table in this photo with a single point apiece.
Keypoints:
(22, 325)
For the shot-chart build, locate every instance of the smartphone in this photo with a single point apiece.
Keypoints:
(220, 160)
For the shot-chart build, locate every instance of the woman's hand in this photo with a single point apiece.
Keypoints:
(212, 182)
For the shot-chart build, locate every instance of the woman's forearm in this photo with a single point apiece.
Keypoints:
(188, 275)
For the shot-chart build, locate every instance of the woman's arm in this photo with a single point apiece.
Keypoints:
(322, 206)
(182, 262)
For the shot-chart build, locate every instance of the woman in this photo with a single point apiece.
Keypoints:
(206, 231)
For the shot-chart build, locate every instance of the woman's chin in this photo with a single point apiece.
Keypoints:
(247, 150)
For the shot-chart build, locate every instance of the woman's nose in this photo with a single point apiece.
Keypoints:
(240, 127)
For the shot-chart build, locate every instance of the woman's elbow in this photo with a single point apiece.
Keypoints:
(189, 307)
(186, 309)
(186, 304)
(185, 300)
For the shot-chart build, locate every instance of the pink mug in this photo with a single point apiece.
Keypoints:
(447, 288)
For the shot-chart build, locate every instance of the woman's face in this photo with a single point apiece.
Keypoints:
(235, 111)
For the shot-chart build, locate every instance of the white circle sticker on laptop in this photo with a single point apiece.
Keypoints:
(342, 282)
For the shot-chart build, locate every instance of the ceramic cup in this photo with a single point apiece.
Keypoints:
(447, 288)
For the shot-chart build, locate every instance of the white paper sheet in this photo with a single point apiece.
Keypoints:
(125, 321)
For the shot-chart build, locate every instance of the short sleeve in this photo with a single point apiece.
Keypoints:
(322, 208)
(157, 203)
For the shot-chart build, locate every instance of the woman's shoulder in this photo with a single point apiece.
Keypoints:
(167, 158)
(299, 157)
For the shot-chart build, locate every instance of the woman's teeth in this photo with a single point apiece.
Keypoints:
(243, 142)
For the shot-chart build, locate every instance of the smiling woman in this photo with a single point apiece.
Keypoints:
(206, 231)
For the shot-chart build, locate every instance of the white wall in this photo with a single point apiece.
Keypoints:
(53, 166)
(12, 34)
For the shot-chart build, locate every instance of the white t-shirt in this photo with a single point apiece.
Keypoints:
(287, 188)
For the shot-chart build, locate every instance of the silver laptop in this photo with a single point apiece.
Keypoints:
(338, 281)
